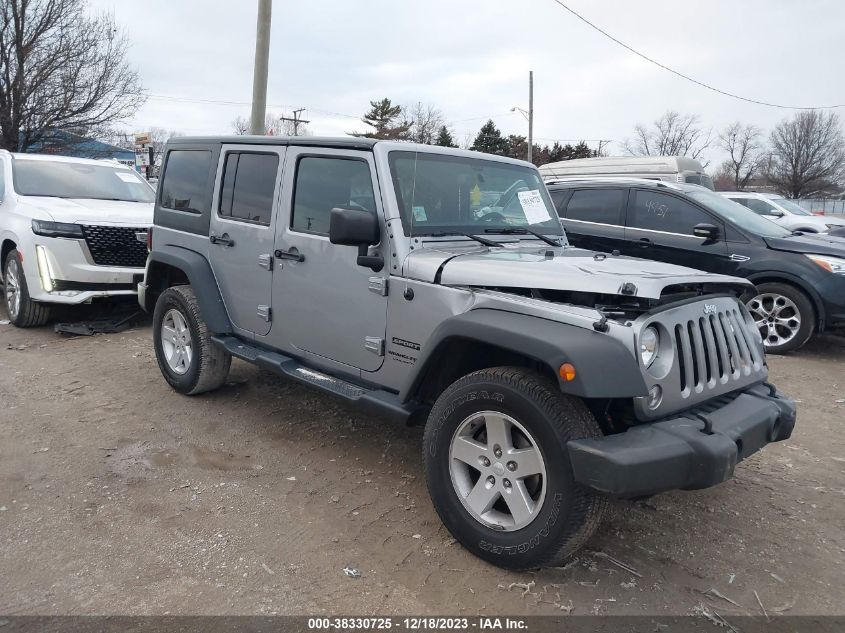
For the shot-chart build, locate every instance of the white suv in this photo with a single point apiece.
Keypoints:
(71, 230)
(785, 212)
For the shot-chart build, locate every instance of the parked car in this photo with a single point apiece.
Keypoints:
(71, 230)
(785, 212)
(677, 169)
(429, 283)
(800, 279)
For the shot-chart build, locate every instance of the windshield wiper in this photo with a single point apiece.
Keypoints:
(523, 231)
(477, 238)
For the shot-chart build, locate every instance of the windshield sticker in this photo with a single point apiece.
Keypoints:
(126, 177)
(419, 214)
(533, 206)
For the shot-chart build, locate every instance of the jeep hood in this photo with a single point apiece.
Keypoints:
(568, 268)
(811, 244)
(89, 211)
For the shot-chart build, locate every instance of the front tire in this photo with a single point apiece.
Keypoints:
(22, 310)
(498, 469)
(783, 315)
(186, 356)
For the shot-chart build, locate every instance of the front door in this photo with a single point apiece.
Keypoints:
(242, 232)
(659, 226)
(326, 304)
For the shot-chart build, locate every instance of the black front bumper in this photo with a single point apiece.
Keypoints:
(683, 452)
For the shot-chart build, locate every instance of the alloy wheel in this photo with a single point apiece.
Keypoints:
(176, 342)
(776, 317)
(12, 288)
(497, 471)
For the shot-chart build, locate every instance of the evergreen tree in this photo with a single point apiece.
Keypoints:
(387, 120)
(444, 138)
(490, 140)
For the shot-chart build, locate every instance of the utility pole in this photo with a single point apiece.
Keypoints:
(295, 120)
(262, 62)
(530, 115)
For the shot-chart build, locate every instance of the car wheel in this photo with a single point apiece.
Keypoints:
(498, 469)
(22, 311)
(784, 316)
(187, 357)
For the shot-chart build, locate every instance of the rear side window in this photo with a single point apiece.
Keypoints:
(323, 184)
(249, 181)
(603, 206)
(185, 184)
(657, 211)
(558, 198)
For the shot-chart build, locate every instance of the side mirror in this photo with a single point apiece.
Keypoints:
(709, 232)
(775, 213)
(355, 227)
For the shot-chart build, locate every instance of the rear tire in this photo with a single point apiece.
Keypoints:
(22, 310)
(552, 516)
(784, 316)
(189, 361)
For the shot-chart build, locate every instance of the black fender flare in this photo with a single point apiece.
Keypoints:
(198, 271)
(604, 367)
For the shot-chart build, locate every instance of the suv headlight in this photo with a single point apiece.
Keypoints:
(649, 343)
(830, 264)
(57, 229)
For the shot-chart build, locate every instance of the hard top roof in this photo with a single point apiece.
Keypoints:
(346, 142)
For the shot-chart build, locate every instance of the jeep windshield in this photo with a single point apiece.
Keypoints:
(60, 179)
(453, 195)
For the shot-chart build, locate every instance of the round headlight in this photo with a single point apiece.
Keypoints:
(649, 342)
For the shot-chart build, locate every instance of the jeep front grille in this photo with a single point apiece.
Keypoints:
(116, 245)
(712, 350)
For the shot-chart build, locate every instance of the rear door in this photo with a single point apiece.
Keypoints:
(242, 232)
(659, 226)
(593, 218)
(327, 305)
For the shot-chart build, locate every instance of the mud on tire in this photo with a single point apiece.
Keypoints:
(568, 514)
(209, 364)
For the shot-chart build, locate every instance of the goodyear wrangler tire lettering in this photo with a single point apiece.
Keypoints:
(471, 500)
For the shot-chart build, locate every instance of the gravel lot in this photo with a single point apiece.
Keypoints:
(118, 496)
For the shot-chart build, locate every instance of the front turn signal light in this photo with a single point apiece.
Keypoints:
(567, 372)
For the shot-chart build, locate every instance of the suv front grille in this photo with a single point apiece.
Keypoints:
(116, 245)
(713, 349)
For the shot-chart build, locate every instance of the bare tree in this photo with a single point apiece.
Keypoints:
(808, 155)
(62, 73)
(744, 145)
(673, 134)
(426, 123)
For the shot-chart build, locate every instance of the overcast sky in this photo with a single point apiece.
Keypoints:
(471, 59)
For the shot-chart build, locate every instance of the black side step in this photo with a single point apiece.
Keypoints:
(375, 400)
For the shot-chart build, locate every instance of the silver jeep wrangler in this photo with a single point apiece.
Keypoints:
(436, 285)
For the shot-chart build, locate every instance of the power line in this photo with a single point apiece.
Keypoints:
(687, 77)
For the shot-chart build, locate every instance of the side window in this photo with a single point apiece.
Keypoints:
(760, 207)
(185, 184)
(558, 198)
(658, 211)
(249, 180)
(596, 205)
(325, 183)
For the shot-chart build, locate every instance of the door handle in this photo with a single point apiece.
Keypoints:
(644, 242)
(222, 240)
(292, 254)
